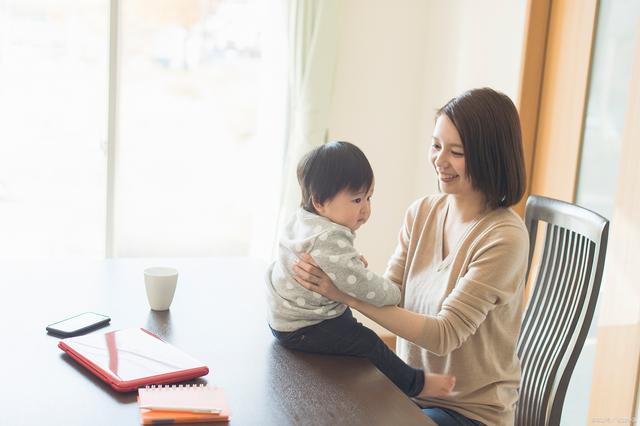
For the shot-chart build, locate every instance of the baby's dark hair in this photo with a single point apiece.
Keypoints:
(331, 168)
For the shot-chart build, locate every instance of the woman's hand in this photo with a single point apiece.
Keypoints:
(309, 275)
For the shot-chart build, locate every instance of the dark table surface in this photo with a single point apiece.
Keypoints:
(217, 316)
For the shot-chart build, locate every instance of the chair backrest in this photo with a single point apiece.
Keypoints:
(561, 307)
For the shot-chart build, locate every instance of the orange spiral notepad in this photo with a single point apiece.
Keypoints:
(182, 404)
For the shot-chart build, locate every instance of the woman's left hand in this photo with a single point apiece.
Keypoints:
(309, 275)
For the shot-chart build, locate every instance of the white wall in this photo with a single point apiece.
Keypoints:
(377, 104)
(398, 61)
(468, 44)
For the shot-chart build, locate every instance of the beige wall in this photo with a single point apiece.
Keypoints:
(377, 105)
(398, 61)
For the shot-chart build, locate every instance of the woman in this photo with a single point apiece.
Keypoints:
(461, 263)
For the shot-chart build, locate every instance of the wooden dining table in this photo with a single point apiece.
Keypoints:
(217, 316)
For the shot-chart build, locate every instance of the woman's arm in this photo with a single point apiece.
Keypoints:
(401, 322)
(493, 278)
(398, 261)
(406, 324)
(334, 253)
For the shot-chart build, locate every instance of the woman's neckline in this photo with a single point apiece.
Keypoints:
(444, 260)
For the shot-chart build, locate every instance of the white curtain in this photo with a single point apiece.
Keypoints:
(272, 129)
(313, 39)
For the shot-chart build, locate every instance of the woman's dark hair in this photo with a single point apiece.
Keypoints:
(330, 168)
(489, 127)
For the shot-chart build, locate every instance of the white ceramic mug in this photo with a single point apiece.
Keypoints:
(160, 283)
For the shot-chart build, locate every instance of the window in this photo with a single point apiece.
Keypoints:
(192, 155)
(53, 104)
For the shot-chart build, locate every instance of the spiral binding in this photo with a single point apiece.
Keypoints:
(169, 387)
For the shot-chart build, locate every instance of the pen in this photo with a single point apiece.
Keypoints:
(183, 409)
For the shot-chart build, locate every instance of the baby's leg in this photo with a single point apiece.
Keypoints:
(345, 336)
(322, 338)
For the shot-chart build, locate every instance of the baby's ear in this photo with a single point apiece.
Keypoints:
(316, 205)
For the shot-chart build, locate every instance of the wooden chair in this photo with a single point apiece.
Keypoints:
(559, 313)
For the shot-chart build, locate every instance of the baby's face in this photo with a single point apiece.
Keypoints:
(348, 208)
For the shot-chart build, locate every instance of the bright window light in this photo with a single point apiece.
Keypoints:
(200, 101)
(189, 90)
(53, 104)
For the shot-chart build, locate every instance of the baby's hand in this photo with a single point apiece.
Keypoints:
(363, 260)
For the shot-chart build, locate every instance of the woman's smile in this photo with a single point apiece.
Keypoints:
(447, 178)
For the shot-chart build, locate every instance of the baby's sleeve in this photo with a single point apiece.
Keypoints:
(333, 250)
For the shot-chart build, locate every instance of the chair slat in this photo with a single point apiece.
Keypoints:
(545, 318)
(551, 317)
(563, 309)
(532, 316)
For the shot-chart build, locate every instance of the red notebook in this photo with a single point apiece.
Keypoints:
(132, 358)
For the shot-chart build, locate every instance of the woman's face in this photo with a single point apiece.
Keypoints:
(447, 157)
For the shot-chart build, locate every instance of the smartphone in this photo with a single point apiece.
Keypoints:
(78, 324)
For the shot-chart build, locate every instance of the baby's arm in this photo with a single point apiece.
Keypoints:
(334, 252)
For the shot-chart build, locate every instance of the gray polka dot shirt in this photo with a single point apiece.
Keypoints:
(292, 306)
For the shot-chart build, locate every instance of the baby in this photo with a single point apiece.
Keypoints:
(337, 183)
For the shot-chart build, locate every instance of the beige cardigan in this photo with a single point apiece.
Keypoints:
(472, 301)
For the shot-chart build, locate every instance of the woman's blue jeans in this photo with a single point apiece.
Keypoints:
(448, 417)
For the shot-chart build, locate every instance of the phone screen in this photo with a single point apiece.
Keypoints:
(78, 322)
